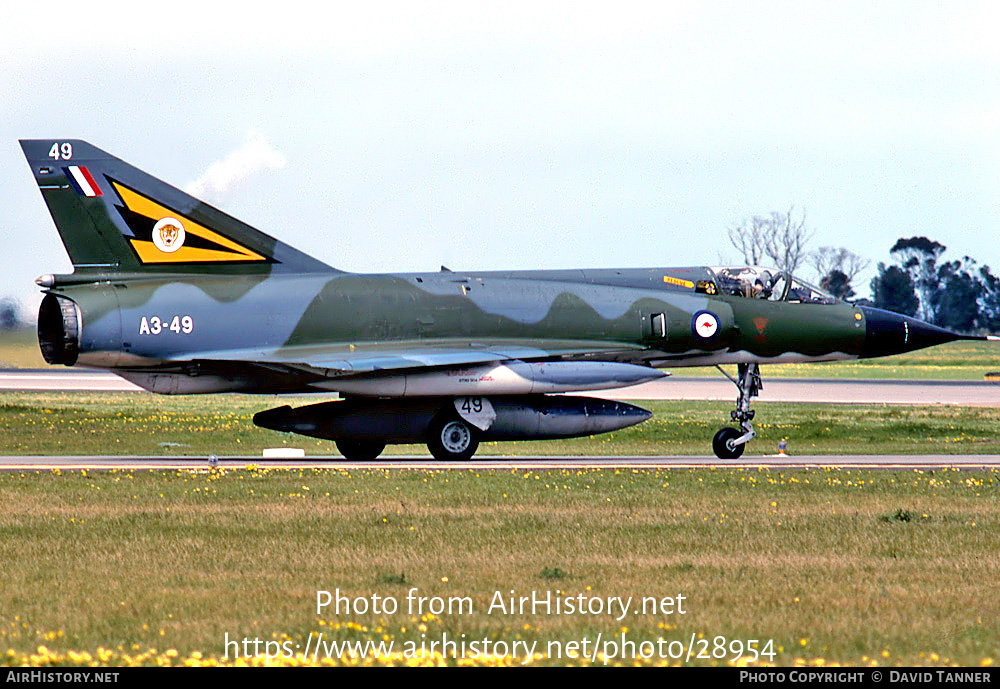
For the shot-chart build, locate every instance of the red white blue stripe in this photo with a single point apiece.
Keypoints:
(81, 179)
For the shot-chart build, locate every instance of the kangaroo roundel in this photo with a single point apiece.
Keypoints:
(168, 235)
(705, 325)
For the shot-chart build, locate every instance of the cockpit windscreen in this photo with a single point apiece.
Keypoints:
(768, 283)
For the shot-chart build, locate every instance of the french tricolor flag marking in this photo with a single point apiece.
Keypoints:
(82, 180)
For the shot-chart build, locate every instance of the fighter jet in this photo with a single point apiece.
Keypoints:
(180, 298)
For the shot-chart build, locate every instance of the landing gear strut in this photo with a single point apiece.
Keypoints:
(729, 442)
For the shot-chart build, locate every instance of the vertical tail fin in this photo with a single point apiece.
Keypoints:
(114, 218)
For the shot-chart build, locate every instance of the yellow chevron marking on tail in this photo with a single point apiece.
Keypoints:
(151, 252)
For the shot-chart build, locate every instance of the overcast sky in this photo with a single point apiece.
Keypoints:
(399, 137)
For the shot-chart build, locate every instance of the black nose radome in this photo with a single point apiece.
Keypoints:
(892, 333)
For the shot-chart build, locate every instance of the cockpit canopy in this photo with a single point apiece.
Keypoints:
(756, 282)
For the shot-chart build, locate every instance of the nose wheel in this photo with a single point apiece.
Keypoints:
(722, 443)
(729, 442)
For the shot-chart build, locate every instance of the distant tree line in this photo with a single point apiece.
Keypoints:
(960, 295)
(10, 314)
(779, 240)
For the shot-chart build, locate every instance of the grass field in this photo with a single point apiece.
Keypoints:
(833, 566)
(70, 423)
(953, 361)
(19, 349)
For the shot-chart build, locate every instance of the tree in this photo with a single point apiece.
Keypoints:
(778, 237)
(918, 256)
(956, 300)
(893, 290)
(10, 314)
(837, 267)
(838, 284)
(989, 300)
(827, 259)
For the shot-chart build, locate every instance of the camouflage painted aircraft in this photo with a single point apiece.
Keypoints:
(178, 297)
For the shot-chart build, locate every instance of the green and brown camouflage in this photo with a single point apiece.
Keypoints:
(179, 297)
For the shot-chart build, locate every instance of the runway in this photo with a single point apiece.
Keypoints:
(487, 463)
(76, 380)
(970, 393)
(818, 390)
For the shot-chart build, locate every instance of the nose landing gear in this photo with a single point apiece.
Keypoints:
(729, 442)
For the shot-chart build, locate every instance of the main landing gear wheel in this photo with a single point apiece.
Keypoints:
(729, 443)
(360, 450)
(722, 444)
(452, 439)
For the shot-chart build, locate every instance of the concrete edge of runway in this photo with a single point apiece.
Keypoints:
(407, 462)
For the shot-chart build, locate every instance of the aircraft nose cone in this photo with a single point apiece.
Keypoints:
(892, 333)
